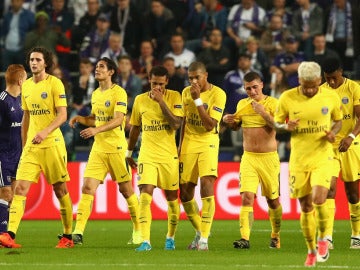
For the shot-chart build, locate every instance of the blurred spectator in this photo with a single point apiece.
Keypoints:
(206, 17)
(356, 37)
(126, 20)
(289, 61)
(280, 9)
(43, 35)
(87, 23)
(259, 60)
(115, 50)
(142, 5)
(175, 82)
(128, 80)
(159, 25)
(273, 39)
(181, 55)
(96, 41)
(321, 52)
(144, 63)
(307, 21)
(183, 10)
(216, 58)
(79, 7)
(245, 20)
(16, 24)
(340, 24)
(233, 82)
(62, 21)
(108, 6)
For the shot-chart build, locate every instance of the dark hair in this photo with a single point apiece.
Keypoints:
(168, 58)
(159, 71)
(251, 76)
(111, 66)
(331, 64)
(85, 60)
(126, 57)
(48, 57)
(194, 66)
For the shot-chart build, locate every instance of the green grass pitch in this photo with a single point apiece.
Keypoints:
(105, 247)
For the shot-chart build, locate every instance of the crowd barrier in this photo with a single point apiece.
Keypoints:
(109, 203)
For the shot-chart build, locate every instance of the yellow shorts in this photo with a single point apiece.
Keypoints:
(162, 175)
(348, 163)
(301, 182)
(100, 164)
(195, 165)
(51, 161)
(260, 168)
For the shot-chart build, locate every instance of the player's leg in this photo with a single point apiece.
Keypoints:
(66, 213)
(352, 193)
(330, 204)
(275, 217)
(5, 199)
(173, 217)
(246, 219)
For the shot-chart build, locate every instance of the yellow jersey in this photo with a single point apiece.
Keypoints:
(196, 137)
(316, 114)
(104, 105)
(41, 100)
(349, 93)
(158, 138)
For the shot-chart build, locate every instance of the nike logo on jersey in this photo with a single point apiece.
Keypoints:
(63, 176)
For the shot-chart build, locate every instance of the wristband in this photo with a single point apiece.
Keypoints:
(128, 153)
(198, 102)
(352, 135)
(281, 126)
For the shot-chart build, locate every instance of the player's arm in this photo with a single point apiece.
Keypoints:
(209, 122)
(330, 135)
(61, 116)
(133, 137)
(229, 120)
(113, 123)
(174, 121)
(88, 121)
(260, 109)
(25, 126)
(347, 141)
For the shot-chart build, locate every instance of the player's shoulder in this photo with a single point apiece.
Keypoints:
(290, 93)
(3, 96)
(172, 93)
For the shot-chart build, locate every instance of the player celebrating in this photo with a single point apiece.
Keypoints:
(311, 111)
(346, 147)
(158, 114)
(10, 137)
(106, 124)
(260, 162)
(44, 103)
(203, 105)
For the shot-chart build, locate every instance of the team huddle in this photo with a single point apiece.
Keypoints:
(322, 119)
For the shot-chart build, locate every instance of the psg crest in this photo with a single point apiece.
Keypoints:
(44, 95)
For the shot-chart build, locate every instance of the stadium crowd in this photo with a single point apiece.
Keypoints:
(231, 37)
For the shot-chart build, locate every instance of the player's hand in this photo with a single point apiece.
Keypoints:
(88, 132)
(345, 144)
(73, 121)
(292, 124)
(330, 136)
(195, 90)
(156, 94)
(229, 118)
(39, 137)
(131, 162)
(258, 108)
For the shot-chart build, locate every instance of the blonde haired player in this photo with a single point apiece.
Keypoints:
(106, 124)
(314, 118)
(203, 105)
(260, 162)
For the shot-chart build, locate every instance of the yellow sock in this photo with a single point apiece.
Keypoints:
(321, 219)
(207, 216)
(246, 221)
(192, 212)
(275, 217)
(354, 210)
(83, 213)
(308, 226)
(145, 216)
(133, 206)
(173, 217)
(16, 212)
(66, 213)
(330, 204)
